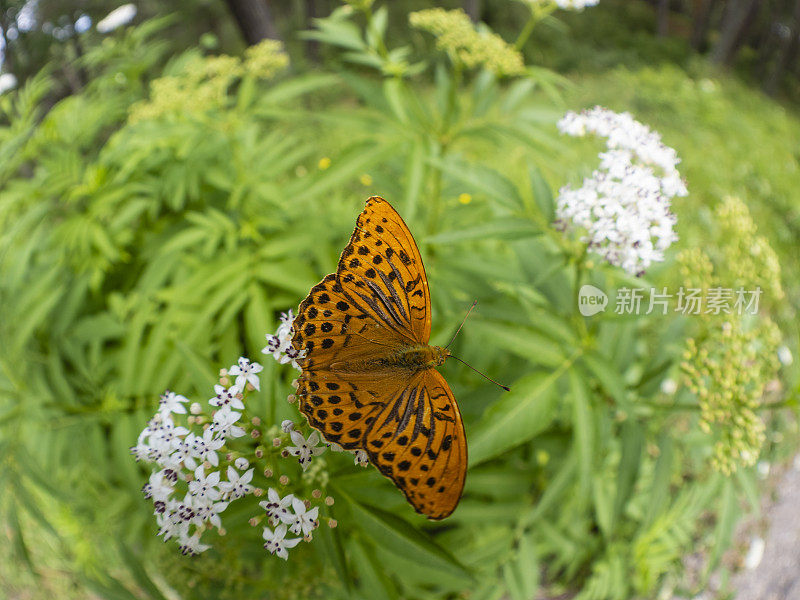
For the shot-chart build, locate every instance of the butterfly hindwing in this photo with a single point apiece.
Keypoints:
(418, 441)
(342, 408)
(382, 271)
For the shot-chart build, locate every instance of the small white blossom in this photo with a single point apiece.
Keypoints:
(227, 397)
(755, 553)
(118, 17)
(785, 355)
(169, 527)
(237, 486)
(204, 487)
(241, 463)
(190, 545)
(277, 508)
(361, 458)
(623, 209)
(303, 521)
(204, 448)
(8, 81)
(304, 449)
(246, 372)
(161, 485)
(224, 423)
(669, 386)
(280, 344)
(287, 425)
(170, 402)
(276, 542)
(209, 512)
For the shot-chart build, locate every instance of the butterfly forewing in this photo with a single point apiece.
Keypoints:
(330, 327)
(418, 441)
(381, 269)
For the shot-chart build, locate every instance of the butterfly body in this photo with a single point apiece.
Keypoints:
(369, 380)
(412, 358)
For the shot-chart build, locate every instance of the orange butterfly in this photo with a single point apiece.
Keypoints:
(368, 378)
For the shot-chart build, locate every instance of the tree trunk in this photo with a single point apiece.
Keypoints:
(662, 18)
(701, 18)
(312, 46)
(254, 20)
(738, 17)
(787, 53)
(473, 9)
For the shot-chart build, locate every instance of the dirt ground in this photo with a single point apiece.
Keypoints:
(777, 575)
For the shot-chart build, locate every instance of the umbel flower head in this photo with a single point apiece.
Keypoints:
(728, 372)
(205, 83)
(730, 365)
(280, 344)
(623, 209)
(456, 35)
(198, 473)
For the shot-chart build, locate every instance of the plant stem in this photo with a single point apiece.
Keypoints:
(537, 14)
(579, 269)
(383, 52)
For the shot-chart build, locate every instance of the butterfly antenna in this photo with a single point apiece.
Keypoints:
(505, 387)
(460, 326)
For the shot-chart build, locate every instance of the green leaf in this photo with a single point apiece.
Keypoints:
(346, 167)
(337, 32)
(481, 179)
(399, 537)
(497, 229)
(659, 491)
(518, 416)
(373, 581)
(748, 483)
(632, 434)
(583, 430)
(297, 86)
(139, 573)
(522, 341)
(727, 518)
(521, 574)
(415, 167)
(602, 498)
(331, 540)
(610, 379)
(393, 90)
(542, 193)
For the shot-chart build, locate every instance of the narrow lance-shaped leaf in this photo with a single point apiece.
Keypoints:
(399, 537)
(583, 429)
(515, 418)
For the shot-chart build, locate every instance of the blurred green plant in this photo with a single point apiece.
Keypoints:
(151, 233)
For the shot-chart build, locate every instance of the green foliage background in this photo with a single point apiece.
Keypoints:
(151, 233)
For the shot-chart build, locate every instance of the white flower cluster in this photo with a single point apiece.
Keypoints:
(307, 448)
(280, 344)
(184, 456)
(624, 207)
(198, 475)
